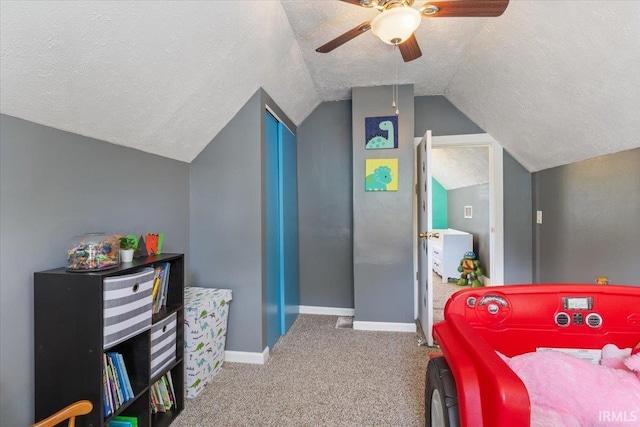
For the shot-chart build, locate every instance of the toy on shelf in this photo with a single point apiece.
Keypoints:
(150, 244)
(470, 269)
(93, 252)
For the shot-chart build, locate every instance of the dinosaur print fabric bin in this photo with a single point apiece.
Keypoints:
(205, 327)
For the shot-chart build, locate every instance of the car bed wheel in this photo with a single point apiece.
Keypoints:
(441, 395)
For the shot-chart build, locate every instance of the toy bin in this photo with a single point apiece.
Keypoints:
(93, 252)
(206, 314)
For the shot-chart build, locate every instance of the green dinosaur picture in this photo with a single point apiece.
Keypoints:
(381, 175)
(381, 132)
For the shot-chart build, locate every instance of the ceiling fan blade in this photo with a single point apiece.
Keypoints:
(460, 8)
(410, 49)
(342, 39)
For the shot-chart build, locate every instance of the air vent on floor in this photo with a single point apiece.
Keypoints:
(562, 319)
(594, 320)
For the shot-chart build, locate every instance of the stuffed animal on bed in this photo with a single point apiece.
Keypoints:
(621, 358)
(566, 391)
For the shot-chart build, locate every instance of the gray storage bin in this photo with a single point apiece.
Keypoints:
(163, 344)
(127, 306)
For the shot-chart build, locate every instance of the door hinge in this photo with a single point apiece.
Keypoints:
(416, 275)
(417, 191)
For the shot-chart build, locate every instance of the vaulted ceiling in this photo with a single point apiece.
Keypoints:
(552, 81)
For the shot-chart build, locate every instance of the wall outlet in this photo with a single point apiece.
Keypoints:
(539, 217)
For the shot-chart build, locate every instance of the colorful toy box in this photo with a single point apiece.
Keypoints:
(206, 314)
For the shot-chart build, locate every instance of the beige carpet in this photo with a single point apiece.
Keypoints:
(441, 293)
(318, 375)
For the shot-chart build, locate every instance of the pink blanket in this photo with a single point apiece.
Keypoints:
(566, 391)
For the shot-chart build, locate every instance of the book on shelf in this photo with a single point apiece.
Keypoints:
(115, 362)
(117, 387)
(116, 380)
(117, 423)
(160, 286)
(165, 287)
(170, 382)
(157, 281)
(112, 387)
(131, 421)
(169, 387)
(156, 400)
(127, 381)
(106, 393)
(163, 394)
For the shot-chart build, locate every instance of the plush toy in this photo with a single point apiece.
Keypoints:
(571, 392)
(470, 269)
(621, 358)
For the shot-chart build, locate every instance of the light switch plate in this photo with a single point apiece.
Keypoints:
(539, 217)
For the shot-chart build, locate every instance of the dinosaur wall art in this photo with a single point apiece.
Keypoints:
(381, 175)
(381, 132)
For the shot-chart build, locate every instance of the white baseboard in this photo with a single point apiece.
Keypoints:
(247, 356)
(384, 326)
(486, 281)
(330, 311)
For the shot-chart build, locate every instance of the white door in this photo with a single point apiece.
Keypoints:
(425, 218)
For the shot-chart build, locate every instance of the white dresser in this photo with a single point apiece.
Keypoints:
(448, 250)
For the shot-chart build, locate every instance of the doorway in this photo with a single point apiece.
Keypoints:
(283, 297)
(424, 284)
(460, 200)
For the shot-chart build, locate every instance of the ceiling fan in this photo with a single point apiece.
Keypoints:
(398, 20)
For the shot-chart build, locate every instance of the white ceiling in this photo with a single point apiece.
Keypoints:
(552, 81)
(459, 167)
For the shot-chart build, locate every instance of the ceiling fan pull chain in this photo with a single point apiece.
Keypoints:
(395, 92)
(393, 96)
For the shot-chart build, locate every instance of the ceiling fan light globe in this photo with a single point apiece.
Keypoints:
(394, 26)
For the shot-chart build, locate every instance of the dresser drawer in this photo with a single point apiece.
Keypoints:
(127, 306)
(436, 251)
(163, 344)
(437, 267)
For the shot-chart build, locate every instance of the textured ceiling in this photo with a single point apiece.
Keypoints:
(555, 81)
(458, 167)
(162, 77)
(367, 61)
(552, 81)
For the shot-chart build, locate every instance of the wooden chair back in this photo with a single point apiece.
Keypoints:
(81, 407)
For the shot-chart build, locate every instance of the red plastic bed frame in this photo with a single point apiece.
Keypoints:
(517, 319)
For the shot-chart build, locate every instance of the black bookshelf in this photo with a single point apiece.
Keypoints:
(68, 343)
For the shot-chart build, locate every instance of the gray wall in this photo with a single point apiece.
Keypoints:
(325, 209)
(325, 206)
(439, 115)
(518, 235)
(476, 196)
(383, 221)
(54, 185)
(227, 221)
(591, 220)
